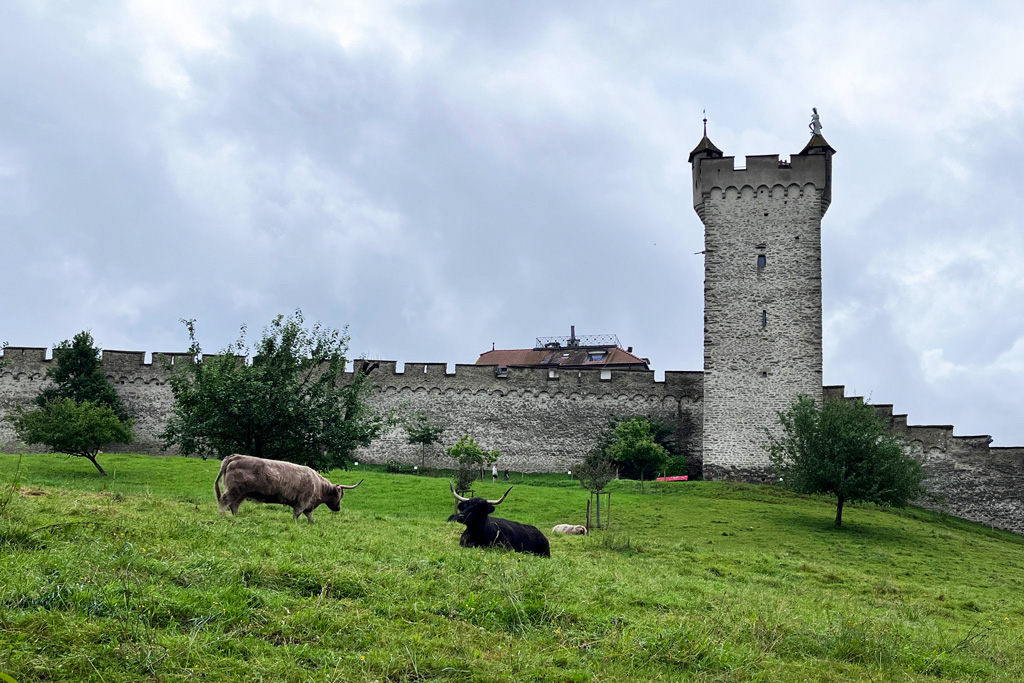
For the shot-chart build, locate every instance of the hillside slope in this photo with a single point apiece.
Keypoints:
(136, 577)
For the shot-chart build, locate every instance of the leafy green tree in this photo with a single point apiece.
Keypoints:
(468, 453)
(664, 435)
(843, 448)
(634, 449)
(76, 373)
(78, 428)
(419, 429)
(292, 402)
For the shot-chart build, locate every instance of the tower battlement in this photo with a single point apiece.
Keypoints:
(764, 176)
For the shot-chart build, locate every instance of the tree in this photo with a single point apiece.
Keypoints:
(419, 429)
(76, 373)
(668, 437)
(595, 472)
(65, 425)
(843, 448)
(468, 453)
(634, 449)
(291, 402)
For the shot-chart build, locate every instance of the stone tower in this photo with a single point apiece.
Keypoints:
(762, 295)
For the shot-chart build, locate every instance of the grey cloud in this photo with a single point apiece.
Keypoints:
(466, 173)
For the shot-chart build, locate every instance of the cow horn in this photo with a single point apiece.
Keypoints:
(342, 486)
(498, 502)
(459, 498)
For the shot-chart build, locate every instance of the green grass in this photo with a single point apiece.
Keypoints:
(136, 577)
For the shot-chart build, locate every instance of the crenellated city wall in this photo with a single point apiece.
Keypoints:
(547, 421)
(540, 420)
(965, 475)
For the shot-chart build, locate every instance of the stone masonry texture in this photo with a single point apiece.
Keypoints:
(539, 421)
(762, 301)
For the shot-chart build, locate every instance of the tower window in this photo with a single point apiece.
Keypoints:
(764, 320)
(762, 260)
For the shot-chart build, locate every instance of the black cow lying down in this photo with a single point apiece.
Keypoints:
(275, 481)
(484, 531)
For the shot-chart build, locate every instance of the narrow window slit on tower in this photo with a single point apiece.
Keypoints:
(762, 260)
(764, 320)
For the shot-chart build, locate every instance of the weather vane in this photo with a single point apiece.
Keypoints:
(815, 124)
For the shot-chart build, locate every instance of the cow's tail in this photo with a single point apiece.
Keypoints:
(216, 483)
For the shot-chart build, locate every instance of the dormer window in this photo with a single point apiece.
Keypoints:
(596, 356)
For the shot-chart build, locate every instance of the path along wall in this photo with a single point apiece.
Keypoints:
(543, 421)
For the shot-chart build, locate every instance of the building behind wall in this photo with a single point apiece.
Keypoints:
(762, 295)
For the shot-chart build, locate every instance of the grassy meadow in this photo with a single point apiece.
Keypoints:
(136, 577)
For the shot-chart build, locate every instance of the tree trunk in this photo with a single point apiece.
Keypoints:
(92, 459)
(839, 511)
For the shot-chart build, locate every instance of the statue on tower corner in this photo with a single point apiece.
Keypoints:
(815, 124)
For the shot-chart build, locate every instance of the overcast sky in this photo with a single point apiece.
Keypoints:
(441, 176)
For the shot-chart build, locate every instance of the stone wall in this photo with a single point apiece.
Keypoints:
(548, 422)
(540, 420)
(762, 300)
(142, 387)
(965, 476)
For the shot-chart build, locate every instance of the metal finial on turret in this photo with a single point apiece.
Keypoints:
(705, 123)
(815, 124)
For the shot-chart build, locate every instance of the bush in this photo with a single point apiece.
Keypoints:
(676, 466)
(642, 448)
(635, 451)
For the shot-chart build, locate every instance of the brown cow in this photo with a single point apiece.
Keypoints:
(275, 481)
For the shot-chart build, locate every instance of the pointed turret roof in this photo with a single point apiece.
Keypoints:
(817, 145)
(705, 145)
